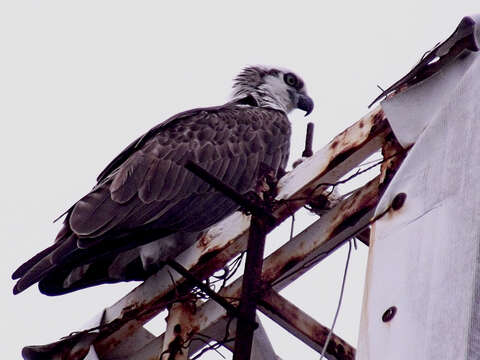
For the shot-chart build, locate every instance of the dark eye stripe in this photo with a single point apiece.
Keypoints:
(299, 84)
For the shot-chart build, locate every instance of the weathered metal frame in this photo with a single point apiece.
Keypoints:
(124, 320)
(326, 166)
(280, 269)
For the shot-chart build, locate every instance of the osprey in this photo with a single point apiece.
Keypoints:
(146, 207)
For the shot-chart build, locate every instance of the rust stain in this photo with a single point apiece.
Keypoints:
(337, 159)
(350, 221)
(343, 146)
(204, 240)
(379, 117)
(293, 317)
(271, 273)
(289, 265)
(120, 329)
(79, 354)
(338, 350)
(110, 344)
(392, 213)
(351, 145)
(208, 256)
(320, 333)
(281, 309)
(362, 204)
(379, 123)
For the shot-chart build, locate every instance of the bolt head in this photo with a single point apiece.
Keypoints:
(389, 314)
(399, 200)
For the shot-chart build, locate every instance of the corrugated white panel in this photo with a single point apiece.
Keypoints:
(424, 257)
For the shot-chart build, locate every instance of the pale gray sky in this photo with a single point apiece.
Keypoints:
(80, 80)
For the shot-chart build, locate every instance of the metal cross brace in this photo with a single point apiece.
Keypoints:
(252, 283)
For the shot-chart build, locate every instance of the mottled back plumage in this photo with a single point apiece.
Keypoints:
(147, 207)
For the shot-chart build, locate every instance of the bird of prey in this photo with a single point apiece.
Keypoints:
(146, 207)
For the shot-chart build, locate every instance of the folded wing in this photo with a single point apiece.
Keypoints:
(146, 194)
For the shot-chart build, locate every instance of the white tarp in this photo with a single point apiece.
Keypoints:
(424, 258)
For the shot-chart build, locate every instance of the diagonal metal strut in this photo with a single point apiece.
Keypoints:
(252, 284)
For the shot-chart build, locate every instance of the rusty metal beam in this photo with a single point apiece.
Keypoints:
(228, 238)
(347, 215)
(232, 310)
(175, 340)
(319, 240)
(362, 199)
(216, 248)
(301, 325)
(261, 350)
(150, 351)
(303, 251)
(328, 165)
(131, 345)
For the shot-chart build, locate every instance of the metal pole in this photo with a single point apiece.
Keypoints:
(308, 141)
(251, 289)
(178, 330)
(260, 223)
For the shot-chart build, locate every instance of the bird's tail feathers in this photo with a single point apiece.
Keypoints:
(43, 263)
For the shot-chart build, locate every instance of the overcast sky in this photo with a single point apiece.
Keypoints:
(80, 80)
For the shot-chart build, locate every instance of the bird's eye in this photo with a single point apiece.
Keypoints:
(290, 79)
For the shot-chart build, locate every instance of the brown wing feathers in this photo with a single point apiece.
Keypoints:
(147, 189)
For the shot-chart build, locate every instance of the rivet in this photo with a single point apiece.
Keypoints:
(398, 200)
(389, 314)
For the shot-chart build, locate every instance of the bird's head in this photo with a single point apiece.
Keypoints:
(273, 88)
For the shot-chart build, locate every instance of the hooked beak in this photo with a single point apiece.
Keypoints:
(305, 103)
